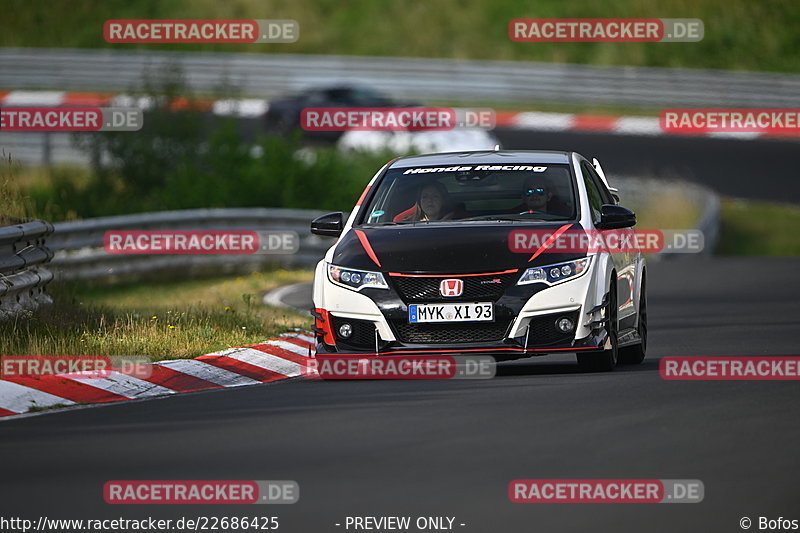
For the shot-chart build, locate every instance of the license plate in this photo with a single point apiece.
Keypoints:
(464, 312)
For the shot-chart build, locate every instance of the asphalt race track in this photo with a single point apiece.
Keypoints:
(450, 448)
(762, 169)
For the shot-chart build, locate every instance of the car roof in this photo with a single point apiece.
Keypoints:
(491, 157)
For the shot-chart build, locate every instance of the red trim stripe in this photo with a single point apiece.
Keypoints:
(172, 379)
(6, 412)
(546, 244)
(487, 351)
(240, 367)
(365, 243)
(69, 389)
(363, 195)
(398, 274)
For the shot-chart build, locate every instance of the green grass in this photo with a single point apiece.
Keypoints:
(667, 209)
(14, 204)
(759, 228)
(739, 34)
(157, 320)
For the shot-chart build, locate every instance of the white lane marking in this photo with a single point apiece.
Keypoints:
(34, 98)
(275, 298)
(216, 375)
(19, 398)
(268, 361)
(124, 385)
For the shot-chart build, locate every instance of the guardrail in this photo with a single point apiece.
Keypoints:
(269, 75)
(79, 252)
(637, 192)
(22, 275)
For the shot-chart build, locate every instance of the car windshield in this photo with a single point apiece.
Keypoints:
(465, 193)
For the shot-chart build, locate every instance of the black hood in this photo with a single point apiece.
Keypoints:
(458, 248)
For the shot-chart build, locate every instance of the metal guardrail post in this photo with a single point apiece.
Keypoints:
(23, 277)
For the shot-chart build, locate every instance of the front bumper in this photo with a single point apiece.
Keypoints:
(524, 324)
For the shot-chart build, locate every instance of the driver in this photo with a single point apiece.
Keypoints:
(538, 196)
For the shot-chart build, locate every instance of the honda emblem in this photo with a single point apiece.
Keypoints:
(451, 287)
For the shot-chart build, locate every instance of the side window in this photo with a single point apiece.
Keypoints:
(605, 194)
(595, 199)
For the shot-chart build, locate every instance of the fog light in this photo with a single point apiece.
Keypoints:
(345, 330)
(565, 324)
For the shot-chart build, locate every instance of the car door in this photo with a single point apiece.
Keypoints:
(625, 260)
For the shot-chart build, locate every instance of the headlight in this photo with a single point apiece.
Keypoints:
(356, 279)
(552, 274)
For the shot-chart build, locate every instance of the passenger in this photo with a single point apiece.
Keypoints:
(433, 203)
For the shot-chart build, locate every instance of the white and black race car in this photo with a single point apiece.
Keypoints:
(424, 264)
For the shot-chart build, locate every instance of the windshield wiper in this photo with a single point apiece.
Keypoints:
(500, 218)
(385, 223)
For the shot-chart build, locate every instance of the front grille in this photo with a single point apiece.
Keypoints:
(543, 329)
(476, 288)
(450, 333)
(363, 332)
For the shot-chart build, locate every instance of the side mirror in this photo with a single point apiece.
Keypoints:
(615, 217)
(329, 225)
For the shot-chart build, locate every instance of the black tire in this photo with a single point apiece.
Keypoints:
(607, 359)
(634, 355)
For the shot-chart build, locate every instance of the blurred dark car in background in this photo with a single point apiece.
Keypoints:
(283, 115)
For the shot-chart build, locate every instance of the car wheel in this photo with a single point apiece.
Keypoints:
(607, 359)
(633, 355)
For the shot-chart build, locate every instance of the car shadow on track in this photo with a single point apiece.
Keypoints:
(541, 368)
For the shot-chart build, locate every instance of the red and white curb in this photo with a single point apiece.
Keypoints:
(240, 107)
(256, 107)
(276, 359)
(617, 125)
